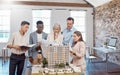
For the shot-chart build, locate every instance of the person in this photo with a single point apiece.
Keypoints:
(15, 42)
(78, 51)
(38, 59)
(55, 37)
(68, 32)
(35, 37)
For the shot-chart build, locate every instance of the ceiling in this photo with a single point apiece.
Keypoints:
(94, 3)
(66, 1)
(97, 3)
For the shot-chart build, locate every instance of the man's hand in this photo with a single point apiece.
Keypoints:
(16, 47)
(31, 59)
(24, 48)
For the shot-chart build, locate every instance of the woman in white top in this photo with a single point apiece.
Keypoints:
(55, 37)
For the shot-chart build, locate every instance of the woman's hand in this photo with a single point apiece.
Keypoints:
(55, 36)
(72, 52)
(39, 43)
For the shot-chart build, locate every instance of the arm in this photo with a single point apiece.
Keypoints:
(46, 36)
(10, 43)
(80, 50)
(30, 39)
(61, 39)
(30, 42)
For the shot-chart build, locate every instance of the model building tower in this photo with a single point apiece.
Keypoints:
(57, 55)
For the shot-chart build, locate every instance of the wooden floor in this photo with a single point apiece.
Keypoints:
(92, 68)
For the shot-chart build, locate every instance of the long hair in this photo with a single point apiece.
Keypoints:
(78, 33)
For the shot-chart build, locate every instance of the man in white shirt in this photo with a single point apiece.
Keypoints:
(15, 42)
(36, 37)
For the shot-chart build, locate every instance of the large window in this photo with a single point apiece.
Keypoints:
(43, 15)
(80, 20)
(4, 25)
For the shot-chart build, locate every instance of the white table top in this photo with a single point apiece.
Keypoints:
(105, 50)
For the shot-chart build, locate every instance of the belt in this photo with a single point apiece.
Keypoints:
(18, 54)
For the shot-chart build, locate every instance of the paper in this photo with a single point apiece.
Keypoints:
(75, 68)
(31, 45)
(27, 46)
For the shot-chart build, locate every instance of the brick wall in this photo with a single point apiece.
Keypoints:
(107, 22)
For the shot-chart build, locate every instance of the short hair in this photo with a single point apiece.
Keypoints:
(39, 22)
(24, 22)
(70, 18)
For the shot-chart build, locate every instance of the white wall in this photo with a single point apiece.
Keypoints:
(20, 13)
(60, 16)
(89, 28)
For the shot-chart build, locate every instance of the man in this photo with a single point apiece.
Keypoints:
(36, 37)
(68, 32)
(15, 42)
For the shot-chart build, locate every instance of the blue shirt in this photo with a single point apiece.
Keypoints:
(68, 36)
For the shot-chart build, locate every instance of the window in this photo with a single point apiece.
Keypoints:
(4, 25)
(43, 15)
(79, 21)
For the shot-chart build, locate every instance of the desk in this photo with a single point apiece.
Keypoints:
(107, 52)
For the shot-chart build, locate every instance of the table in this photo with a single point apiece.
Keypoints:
(58, 74)
(38, 70)
(106, 51)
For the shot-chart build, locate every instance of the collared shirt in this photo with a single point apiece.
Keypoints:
(68, 36)
(17, 39)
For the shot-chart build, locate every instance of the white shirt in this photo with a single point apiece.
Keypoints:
(17, 39)
(58, 40)
(39, 37)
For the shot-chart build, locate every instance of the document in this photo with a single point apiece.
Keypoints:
(27, 46)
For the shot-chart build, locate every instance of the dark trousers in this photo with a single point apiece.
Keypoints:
(16, 63)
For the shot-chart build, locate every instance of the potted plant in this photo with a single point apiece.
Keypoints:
(44, 62)
(105, 44)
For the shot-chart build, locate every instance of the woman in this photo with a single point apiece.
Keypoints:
(78, 51)
(55, 37)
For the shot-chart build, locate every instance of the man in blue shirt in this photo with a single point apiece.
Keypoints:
(68, 32)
